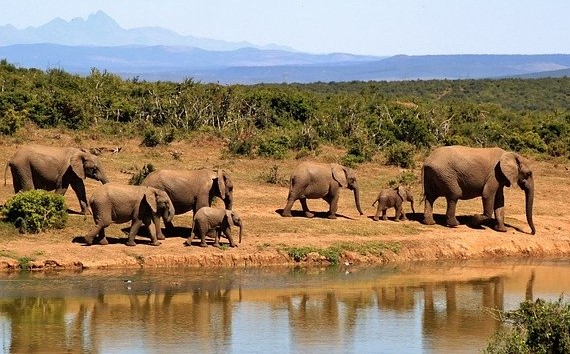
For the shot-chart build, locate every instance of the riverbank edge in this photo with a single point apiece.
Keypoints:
(492, 247)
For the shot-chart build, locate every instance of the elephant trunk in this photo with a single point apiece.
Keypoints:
(240, 225)
(101, 177)
(357, 199)
(169, 213)
(529, 199)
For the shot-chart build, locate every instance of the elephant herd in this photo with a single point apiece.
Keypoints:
(453, 172)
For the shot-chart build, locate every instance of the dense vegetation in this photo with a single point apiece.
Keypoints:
(35, 211)
(395, 118)
(535, 327)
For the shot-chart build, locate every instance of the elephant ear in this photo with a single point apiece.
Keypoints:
(509, 165)
(402, 192)
(221, 184)
(229, 217)
(76, 163)
(150, 197)
(339, 174)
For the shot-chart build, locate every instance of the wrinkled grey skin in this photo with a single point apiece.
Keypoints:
(192, 190)
(312, 180)
(215, 219)
(459, 172)
(393, 198)
(116, 204)
(54, 168)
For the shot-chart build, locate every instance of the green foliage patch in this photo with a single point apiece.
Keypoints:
(535, 327)
(36, 211)
(139, 176)
(334, 252)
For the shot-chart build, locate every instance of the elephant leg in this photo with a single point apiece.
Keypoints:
(305, 207)
(398, 215)
(333, 205)
(158, 233)
(203, 232)
(290, 201)
(167, 225)
(500, 211)
(79, 189)
(378, 211)
(228, 234)
(428, 210)
(488, 206)
(217, 236)
(384, 216)
(450, 212)
(135, 225)
(102, 238)
(154, 233)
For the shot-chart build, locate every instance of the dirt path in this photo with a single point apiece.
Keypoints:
(270, 239)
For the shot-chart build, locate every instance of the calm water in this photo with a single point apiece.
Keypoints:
(405, 309)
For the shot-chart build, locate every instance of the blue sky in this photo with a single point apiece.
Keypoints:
(376, 27)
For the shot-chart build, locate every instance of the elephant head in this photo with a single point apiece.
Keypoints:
(346, 177)
(159, 203)
(84, 164)
(516, 170)
(235, 220)
(406, 196)
(225, 188)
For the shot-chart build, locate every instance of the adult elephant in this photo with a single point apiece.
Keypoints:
(54, 168)
(312, 180)
(192, 190)
(459, 172)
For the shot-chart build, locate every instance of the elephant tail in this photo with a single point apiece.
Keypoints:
(376, 201)
(6, 170)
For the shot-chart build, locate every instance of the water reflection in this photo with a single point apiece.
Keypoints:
(412, 309)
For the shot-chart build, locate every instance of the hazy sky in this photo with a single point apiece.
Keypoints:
(377, 27)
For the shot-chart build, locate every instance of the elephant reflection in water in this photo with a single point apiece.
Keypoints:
(42, 325)
(462, 318)
(399, 298)
(311, 315)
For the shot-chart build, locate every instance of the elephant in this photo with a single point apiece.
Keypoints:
(313, 180)
(55, 168)
(393, 197)
(460, 172)
(192, 190)
(207, 219)
(117, 203)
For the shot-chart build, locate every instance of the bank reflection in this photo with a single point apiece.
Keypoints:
(336, 310)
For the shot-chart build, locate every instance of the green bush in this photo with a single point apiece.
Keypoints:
(151, 137)
(138, 177)
(35, 211)
(274, 146)
(11, 121)
(401, 154)
(535, 327)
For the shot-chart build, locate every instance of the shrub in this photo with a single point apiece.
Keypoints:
(138, 177)
(535, 327)
(151, 137)
(272, 177)
(274, 146)
(35, 211)
(405, 178)
(11, 121)
(401, 154)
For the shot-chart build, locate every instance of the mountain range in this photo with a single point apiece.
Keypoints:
(154, 53)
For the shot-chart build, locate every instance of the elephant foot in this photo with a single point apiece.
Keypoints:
(452, 222)
(309, 215)
(478, 219)
(88, 241)
(131, 243)
(331, 216)
(155, 243)
(160, 237)
(375, 218)
(428, 221)
(384, 218)
(203, 244)
(215, 245)
(500, 228)
(286, 214)
(103, 241)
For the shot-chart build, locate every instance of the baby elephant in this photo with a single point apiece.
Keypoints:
(207, 219)
(388, 198)
(116, 203)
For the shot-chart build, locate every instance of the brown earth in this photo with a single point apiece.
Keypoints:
(268, 236)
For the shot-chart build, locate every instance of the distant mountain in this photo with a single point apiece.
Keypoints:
(250, 65)
(101, 30)
(154, 53)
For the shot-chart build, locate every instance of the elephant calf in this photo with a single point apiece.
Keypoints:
(207, 219)
(393, 198)
(115, 203)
